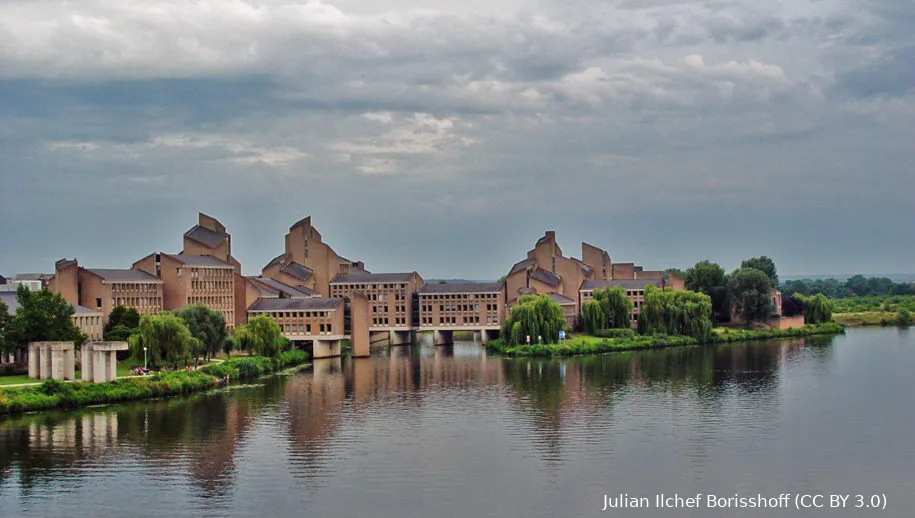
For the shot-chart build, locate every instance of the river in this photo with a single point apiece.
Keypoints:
(449, 431)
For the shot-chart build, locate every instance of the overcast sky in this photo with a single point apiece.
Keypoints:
(445, 137)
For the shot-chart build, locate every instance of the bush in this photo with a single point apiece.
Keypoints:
(615, 333)
(904, 317)
(57, 394)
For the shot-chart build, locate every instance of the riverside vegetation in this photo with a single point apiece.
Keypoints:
(56, 394)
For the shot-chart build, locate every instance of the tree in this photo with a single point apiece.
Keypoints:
(685, 313)
(709, 278)
(122, 316)
(166, 338)
(817, 308)
(42, 317)
(765, 265)
(261, 334)
(537, 316)
(4, 318)
(616, 306)
(750, 290)
(208, 326)
(904, 317)
(593, 317)
(229, 345)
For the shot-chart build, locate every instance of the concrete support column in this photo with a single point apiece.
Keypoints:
(325, 348)
(99, 369)
(57, 364)
(112, 364)
(87, 362)
(443, 337)
(34, 362)
(44, 362)
(400, 338)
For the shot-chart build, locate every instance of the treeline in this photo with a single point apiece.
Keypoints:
(856, 286)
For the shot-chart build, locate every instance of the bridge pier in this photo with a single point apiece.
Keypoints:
(400, 338)
(443, 337)
(487, 335)
(324, 348)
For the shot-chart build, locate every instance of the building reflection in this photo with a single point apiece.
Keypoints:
(310, 410)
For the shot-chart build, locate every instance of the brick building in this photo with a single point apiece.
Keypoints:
(194, 279)
(103, 289)
(390, 296)
(471, 305)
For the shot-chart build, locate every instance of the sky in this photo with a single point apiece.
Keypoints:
(446, 137)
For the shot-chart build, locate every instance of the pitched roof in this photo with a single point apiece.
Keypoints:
(546, 276)
(33, 276)
(463, 287)
(205, 236)
(198, 260)
(275, 287)
(626, 284)
(276, 260)
(299, 271)
(363, 276)
(562, 300)
(271, 304)
(9, 298)
(585, 269)
(63, 263)
(122, 275)
(521, 265)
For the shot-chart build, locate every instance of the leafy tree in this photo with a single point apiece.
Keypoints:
(534, 316)
(817, 308)
(42, 317)
(709, 278)
(229, 345)
(750, 292)
(4, 318)
(261, 334)
(792, 305)
(763, 264)
(166, 337)
(208, 326)
(593, 317)
(119, 333)
(122, 316)
(685, 313)
(904, 317)
(676, 271)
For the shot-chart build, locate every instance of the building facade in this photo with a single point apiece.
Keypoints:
(468, 305)
(193, 279)
(635, 290)
(305, 247)
(103, 289)
(302, 319)
(390, 296)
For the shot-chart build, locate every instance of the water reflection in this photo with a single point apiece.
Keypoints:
(306, 420)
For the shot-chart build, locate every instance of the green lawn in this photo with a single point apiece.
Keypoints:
(14, 380)
(866, 318)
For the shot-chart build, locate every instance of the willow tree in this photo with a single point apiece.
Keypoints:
(165, 337)
(817, 309)
(685, 313)
(261, 334)
(617, 307)
(536, 316)
(750, 291)
(593, 317)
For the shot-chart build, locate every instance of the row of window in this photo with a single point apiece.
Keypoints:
(460, 307)
(207, 273)
(453, 320)
(468, 296)
(306, 328)
(140, 303)
(301, 314)
(385, 321)
(384, 309)
(136, 287)
(369, 286)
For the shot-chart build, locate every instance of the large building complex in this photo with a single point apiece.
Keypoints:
(570, 281)
(318, 296)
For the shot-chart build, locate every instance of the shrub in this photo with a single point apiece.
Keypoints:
(904, 317)
(615, 333)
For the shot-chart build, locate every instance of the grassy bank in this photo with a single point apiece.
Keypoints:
(585, 344)
(55, 394)
(867, 318)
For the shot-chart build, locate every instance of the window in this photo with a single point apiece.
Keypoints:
(98, 303)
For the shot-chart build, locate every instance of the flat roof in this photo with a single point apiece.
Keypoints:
(461, 287)
(304, 304)
(122, 275)
(371, 277)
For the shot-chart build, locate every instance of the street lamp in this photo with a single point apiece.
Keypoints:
(145, 366)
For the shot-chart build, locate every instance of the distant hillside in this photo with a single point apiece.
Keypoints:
(895, 277)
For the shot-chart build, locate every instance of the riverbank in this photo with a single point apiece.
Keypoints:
(867, 318)
(56, 394)
(585, 344)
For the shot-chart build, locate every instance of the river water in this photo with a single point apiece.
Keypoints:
(449, 431)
